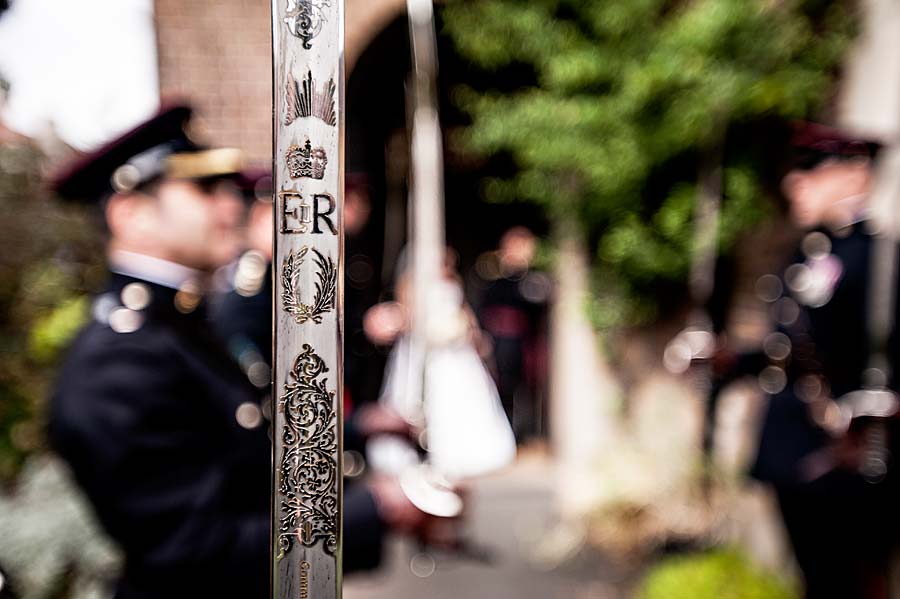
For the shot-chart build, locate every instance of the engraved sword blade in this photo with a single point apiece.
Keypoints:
(308, 174)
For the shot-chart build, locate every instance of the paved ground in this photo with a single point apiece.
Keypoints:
(512, 518)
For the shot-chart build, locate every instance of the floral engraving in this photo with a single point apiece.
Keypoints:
(308, 469)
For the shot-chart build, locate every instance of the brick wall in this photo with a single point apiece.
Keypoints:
(216, 53)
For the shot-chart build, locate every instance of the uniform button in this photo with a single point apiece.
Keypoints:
(809, 388)
(816, 245)
(798, 277)
(488, 266)
(248, 415)
(772, 380)
(188, 298)
(354, 464)
(677, 356)
(103, 307)
(125, 178)
(786, 312)
(360, 271)
(768, 288)
(777, 347)
(828, 414)
(136, 296)
(259, 374)
(536, 287)
(874, 378)
(250, 274)
(124, 320)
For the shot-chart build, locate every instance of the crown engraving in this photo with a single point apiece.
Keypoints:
(305, 99)
(306, 161)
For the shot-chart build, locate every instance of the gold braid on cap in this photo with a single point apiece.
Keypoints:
(206, 163)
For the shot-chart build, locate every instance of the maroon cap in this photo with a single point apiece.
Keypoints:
(88, 178)
(832, 141)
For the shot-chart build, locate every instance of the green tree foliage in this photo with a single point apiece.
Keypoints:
(713, 575)
(49, 261)
(624, 98)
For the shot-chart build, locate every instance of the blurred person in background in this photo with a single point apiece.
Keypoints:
(159, 426)
(513, 309)
(436, 377)
(841, 525)
(242, 315)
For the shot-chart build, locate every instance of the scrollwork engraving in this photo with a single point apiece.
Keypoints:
(308, 469)
(305, 19)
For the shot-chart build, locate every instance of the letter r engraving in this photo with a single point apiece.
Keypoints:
(318, 213)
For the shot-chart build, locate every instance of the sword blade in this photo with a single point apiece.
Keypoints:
(308, 177)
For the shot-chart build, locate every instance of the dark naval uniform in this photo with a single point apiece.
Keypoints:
(162, 431)
(841, 526)
(512, 310)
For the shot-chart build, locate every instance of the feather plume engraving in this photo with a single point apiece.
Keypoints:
(305, 99)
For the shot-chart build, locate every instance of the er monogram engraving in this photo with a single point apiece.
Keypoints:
(297, 215)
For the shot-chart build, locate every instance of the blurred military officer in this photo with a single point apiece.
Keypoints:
(159, 426)
(841, 525)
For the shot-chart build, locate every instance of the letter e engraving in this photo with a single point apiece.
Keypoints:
(295, 213)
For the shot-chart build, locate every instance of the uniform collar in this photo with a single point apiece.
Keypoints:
(145, 284)
(153, 270)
